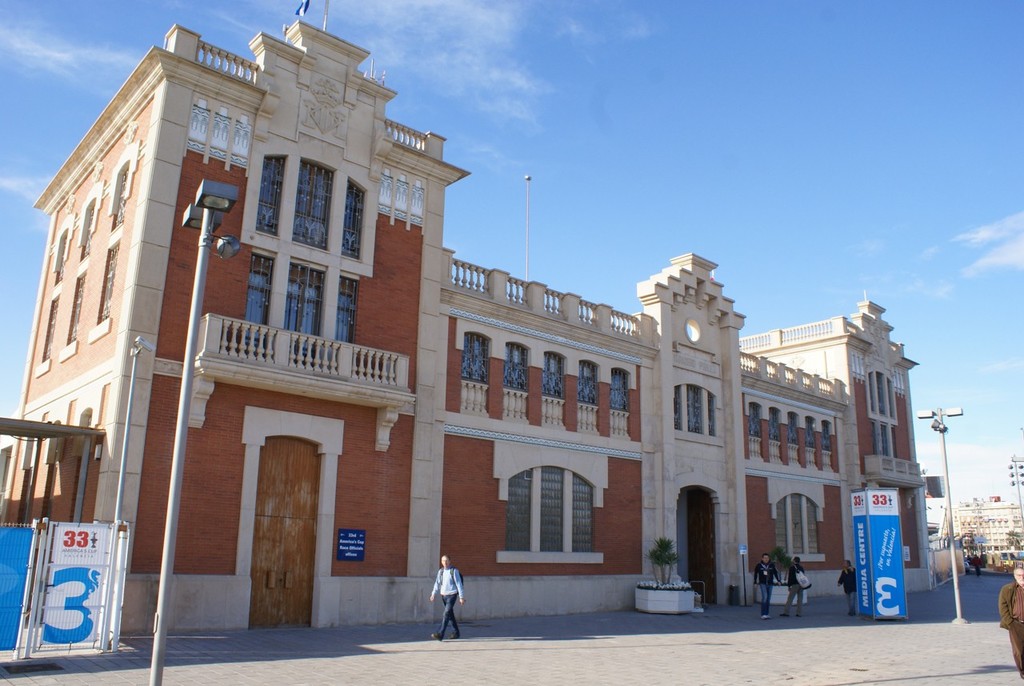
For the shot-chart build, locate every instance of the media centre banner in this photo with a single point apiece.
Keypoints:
(878, 545)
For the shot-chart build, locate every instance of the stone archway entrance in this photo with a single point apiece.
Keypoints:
(695, 524)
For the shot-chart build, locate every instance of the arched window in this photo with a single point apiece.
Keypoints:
(269, 208)
(586, 383)
(312, 205)
(620, 390)
(516, 367)
(694, 409)
(774, 420)
(809, 432)
(553, 375)
(796, 524)
(826, 435)
(475, 357)
(754, 420)
(792, 427)
(541, 493)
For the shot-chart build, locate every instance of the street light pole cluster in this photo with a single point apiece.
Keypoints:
(938, 417)
(213, 199)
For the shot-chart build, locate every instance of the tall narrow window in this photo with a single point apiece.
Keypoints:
(517, 511)
(796, 524)
(76, 309)
(582, 515)
(809, 432)
(88, 223)
(792, 428)
(60, 258)
(476, 355)
(551, 509)
(553, 375)
(345, 322)
(109, 275)
(871, 392)
(711, 414)
(312, 205)
(257, 298)
(694, 409)
(891, 397)
(774, 419)
(874, 438)
(351, 236)
(122, 199)
(51, 327)
(620, 390)
(754, 420)
(826, 436)
(515, 367)
(677, 407)
(586, 383)
(302, 306)
(880, 384)
(269, 209)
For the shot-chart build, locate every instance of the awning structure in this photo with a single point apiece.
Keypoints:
(37, 432)
(25, 428)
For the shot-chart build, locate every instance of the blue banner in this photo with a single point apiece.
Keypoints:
(881, 590)
(15, 546)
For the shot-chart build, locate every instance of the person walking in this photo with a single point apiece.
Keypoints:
(766, 576)
(848, 580)
(1011, 616)
(449, 584)
(795, 589)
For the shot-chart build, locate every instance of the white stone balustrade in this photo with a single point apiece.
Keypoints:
(773, 452)
(552, 411)
(586, 418)
(267, 346)
(515, 405)
(777, 372)
(620, 424)
(474, 397)
(499, 286)
(754, 447)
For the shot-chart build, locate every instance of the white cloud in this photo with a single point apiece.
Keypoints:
(1012, 364)
(929, 253)
(37, 51)
(29, 188)
(1004, 241)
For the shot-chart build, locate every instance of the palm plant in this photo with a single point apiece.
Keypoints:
(663, 555)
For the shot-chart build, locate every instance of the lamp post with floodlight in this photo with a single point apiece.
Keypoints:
(212, 200)
(939, 425)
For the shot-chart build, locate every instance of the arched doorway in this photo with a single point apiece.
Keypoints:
(695, 525)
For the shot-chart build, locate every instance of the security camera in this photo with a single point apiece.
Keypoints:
(142, 344)
(227, 247)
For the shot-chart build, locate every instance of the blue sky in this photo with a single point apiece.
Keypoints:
(816, 151)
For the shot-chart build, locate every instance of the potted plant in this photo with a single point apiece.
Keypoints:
(662, 595)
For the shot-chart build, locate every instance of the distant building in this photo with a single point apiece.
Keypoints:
(353, 374)
(987, 524)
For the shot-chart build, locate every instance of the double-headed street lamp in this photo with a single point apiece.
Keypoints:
(938, 424)
(212, 200)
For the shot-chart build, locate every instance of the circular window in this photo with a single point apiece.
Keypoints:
(692, 330)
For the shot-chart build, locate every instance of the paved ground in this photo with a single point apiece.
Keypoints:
(724, 645)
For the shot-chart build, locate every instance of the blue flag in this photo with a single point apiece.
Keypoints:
(303, 8)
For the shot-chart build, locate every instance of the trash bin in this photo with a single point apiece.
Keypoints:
(734, 595)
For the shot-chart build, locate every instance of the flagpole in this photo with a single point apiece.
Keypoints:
(327, 4)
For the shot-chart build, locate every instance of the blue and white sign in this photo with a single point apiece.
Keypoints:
(878, 542)
(79, 567)
(351, 545)
(15, 546)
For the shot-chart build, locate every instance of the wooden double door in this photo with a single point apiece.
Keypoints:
(284, 533)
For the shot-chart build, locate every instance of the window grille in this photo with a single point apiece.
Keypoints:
(754, 420)
(694, 409)
(345, 323)
(109, 275)
(353, 230)
(516, 373)
(51, 327)
(582, 515)
(476, 355)
(809, 432)
(269, 208)
(620, 390)
(257, 299)
(76, 309)
(553, 376)
(312, 205)
(517, 511)
(586, 383)
(304, 299)
(773, 423)
(551, 509)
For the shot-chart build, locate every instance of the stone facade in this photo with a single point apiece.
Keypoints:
(352, 373)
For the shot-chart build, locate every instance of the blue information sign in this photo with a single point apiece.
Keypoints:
(351, 545)
(878, 544)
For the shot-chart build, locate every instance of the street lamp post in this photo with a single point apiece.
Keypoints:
(213, 198)
(138, 346)
(1016, 476)
(939, 425)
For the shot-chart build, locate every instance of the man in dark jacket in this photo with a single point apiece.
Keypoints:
(765, 576)
(1011, 615)
(848, 580)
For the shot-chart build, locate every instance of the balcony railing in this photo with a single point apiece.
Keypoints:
(268, 347)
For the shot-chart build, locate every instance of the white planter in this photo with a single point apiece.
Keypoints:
(664, 602)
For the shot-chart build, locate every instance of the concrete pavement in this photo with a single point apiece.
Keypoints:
(724, 645)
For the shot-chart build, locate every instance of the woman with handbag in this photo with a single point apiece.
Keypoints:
(797, 582)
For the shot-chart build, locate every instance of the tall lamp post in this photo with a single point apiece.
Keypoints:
(138, 346)
(213, 199)
(1016, 477)
(939, 425)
